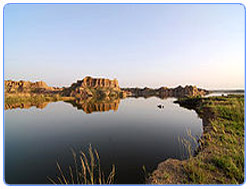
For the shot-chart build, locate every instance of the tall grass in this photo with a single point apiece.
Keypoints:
(189, 144)
(89, 172)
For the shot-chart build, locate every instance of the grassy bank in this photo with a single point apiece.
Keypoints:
(220, 159)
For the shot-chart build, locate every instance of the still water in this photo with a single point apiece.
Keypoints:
(129, 133)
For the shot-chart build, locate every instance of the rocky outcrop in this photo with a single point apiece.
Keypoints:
(93, 87)
(96, 88)
(15, 87)
(183, 91)
(138, 92)
(98, 83)
(165, 92)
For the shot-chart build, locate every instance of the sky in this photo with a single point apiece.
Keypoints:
(141, 45)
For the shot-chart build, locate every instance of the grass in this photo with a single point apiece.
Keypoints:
(89, 172)
(220, 159)
(188, 144)
(224, 147)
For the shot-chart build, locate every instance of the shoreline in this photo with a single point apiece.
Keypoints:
(191, 171)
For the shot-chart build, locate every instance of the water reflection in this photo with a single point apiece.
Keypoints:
(88, 105)
(138, 134)
(25, 105)
(91, 105)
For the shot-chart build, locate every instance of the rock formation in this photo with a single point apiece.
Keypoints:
(15, 87)
(97, 88)
(98, 83)
(93, 87)
(165, 92)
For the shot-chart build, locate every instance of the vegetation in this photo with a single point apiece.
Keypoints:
(89, 171)
(220, 159)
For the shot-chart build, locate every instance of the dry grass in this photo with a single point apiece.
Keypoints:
(89, 172)
(189, 144)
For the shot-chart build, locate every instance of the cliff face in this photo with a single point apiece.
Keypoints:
(98, 83)
(93, 87)
(26, 87)
(165, 92)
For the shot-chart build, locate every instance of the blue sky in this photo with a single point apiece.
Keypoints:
(139, 44)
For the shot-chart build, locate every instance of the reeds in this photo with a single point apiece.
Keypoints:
(189, 144)
(89, 171)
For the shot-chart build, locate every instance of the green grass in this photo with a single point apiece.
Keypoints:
(226, 143)
(220, 159)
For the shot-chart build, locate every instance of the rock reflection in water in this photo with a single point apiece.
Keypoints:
(25, 105)
(91, 105)
(88, 105)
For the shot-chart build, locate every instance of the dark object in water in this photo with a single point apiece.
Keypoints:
(160, 106)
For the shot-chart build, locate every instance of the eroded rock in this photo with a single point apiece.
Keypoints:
(165, 92)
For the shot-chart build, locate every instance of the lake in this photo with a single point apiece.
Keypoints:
(130, 133)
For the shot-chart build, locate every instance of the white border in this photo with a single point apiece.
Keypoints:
(3, 2)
